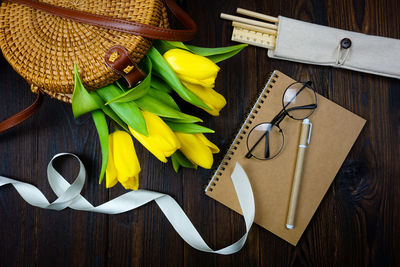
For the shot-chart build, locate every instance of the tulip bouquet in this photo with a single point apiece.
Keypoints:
(149, 113)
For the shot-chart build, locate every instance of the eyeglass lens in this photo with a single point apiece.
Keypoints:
(265, 140)
(299, 101)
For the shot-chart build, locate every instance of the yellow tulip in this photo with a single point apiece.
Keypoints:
(161, 140)
(209, 96)
(123, 164)
(197, 148)
(192, 68)
(197, 73)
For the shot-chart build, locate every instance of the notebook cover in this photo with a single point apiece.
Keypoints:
(334, 132)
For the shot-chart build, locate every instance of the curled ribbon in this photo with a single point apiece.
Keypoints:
(69, 196)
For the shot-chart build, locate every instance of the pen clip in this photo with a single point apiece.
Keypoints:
(309, 133)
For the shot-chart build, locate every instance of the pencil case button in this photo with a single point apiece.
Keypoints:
(345, 43)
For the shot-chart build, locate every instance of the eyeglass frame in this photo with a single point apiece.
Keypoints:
(278, 118)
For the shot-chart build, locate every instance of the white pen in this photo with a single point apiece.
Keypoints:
(304, 140)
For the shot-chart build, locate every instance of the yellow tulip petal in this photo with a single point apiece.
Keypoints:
(161, 140)
(157, 127)
(206, 82)
(125, 158)
(111, 180)
(209, 82)
(167, 148)
(150, 146)
(195, 150)
(209, 96)
(212, 146)
(192, 65)
(215, 99)
(111, 171)
(132, 183)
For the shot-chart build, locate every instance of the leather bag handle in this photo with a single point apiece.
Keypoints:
(22, 115)
(122, 25)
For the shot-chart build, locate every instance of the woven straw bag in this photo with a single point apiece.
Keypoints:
(43, 39)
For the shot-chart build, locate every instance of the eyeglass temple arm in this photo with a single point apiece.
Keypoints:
(310, 106)
(279, 117)
(267, 144)
(276, 120)
(249, 155)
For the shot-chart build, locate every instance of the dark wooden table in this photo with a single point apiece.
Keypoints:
(357, 223)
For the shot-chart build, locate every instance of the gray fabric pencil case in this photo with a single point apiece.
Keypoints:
(315, 44)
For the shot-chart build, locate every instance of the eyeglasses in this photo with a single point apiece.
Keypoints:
(266, 140)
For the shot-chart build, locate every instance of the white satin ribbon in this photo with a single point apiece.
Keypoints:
(69, 196)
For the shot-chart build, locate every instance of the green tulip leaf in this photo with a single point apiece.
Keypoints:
(160, 85)
(108, 111)
(175, 163)
(102, 130)
(176, 44)
(138, 91)
(82, 102)
(191, 128)
(157, 107)
(128, 112)
(120, 85)
(206, 51)
(222, 57)
(174, 120)
(179, 159)
(163, 46)
(162, 69)
(163, 97)
(216, 54)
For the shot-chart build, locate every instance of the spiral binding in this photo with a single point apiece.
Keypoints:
(241, 133)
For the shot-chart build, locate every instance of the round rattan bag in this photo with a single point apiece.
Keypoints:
(42, 43)
(43, 39)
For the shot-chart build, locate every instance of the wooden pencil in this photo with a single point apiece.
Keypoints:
(256, 15)
(249, 21)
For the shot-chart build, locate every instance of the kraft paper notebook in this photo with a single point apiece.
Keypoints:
(334, 132)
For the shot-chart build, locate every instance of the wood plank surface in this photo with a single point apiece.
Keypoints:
(357, 223)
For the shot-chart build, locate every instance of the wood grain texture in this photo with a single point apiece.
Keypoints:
(355, 225)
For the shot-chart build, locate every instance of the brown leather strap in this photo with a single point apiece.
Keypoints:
(22, 115)
(121, 25)
(117, 59)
